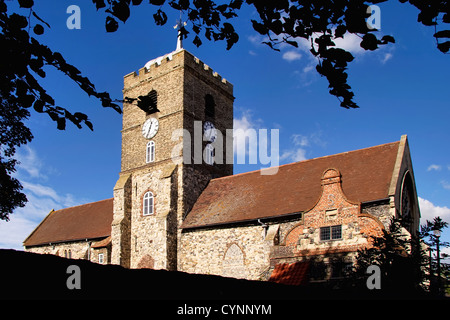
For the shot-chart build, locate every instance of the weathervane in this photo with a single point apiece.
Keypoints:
(180, 24)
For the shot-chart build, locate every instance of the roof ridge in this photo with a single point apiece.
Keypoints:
(84, 204)
(303, 161)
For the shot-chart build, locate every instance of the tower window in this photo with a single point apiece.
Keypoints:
(150, 153)
(148, 204)
(210, 106)
(209, 154)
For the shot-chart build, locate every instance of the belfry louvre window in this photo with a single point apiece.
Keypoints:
(150, 154)
(210, 106)
(331, 233)
(148, 204)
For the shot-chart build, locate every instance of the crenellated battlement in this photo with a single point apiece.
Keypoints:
(173, 60)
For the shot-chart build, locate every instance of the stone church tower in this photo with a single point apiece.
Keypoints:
(171, 109)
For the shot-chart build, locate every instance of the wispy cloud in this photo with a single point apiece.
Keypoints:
(42, 198)
(292, 55)
(299, 144)
(445, 184)
(434, 167)
(29, 162)
(387, 56)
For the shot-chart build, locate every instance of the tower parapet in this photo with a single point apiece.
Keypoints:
(173, 60)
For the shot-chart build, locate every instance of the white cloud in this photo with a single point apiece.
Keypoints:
(14, 232)
(434, 167)
(294, 155)
(300, 140)
(445, 184)
(429, 211)
(388, 56)
(297, 152)
(291, 55)
(245, 137)
(41, 200)
(308, 68)
(350, 42)
(29, 162)
(299, 144)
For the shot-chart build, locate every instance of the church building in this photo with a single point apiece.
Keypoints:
(171, 211)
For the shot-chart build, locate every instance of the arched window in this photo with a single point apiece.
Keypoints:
(150, 153)
(148, 204)
(209, 154)
(210, 106)
(408, 204)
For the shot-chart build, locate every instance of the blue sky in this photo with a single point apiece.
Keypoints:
(401, 89)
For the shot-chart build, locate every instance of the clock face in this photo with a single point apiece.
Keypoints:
(209, 131)
(150, 128)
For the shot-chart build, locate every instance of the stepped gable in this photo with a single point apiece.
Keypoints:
(295, 188)
(87, 221)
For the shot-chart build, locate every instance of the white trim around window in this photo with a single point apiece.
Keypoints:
(148, 204)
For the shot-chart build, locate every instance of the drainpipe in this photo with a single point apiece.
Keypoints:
(265, 226)
(89, 250)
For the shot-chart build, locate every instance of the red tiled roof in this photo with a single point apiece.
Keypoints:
(293, 274)
(296, 187)
(87, 221)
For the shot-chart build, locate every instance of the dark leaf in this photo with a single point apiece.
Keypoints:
(193, 15)
(446, 18)
(157, 2)
(339, 54)
(136, 2)
(18, 21)
(369, 42)
(80, 116)
(444, 47)
(277, 27)
(99, 4)
(89, 125)
(160, 17)
(39, 18)
(442, 34)
(271, 45)
(38, 106)
(27, 100)
(61, 123)
(236, 4)
(232, 39)
(387, 39)
(260, 28)
(111, 24)
(3, 7)
(340, 31)
(292, 43)
(38, 29)
(197, 41)
(121, 10)
(427, 16)
(26, 3)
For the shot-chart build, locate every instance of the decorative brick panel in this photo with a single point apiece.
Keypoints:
(332, 209)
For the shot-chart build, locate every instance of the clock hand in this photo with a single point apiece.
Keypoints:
(150, 127)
